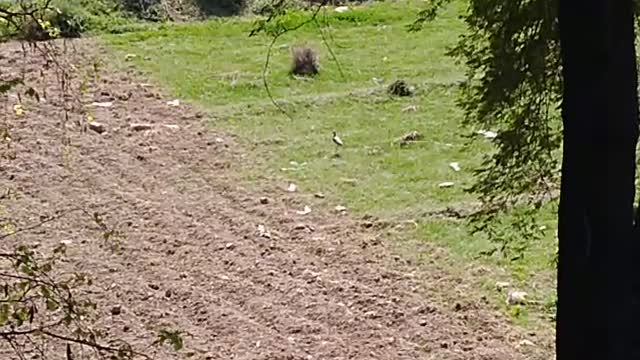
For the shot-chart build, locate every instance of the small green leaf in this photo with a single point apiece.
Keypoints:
(7, 85)
(172, 337)
(5, 309)
(52, 305)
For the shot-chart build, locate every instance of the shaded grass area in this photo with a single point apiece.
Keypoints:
(217, 66)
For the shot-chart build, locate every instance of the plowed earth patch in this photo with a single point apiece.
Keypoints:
(191, 254)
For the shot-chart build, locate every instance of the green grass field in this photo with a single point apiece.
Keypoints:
(216, 66)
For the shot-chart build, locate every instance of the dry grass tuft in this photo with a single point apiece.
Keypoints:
(305, 62)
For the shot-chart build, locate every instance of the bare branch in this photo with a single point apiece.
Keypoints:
(278, 34)
(39, 224)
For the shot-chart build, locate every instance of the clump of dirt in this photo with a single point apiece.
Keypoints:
(408, 138)
(400, 88)
(305, 61)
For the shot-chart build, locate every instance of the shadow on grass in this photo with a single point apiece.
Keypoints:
(220, 7)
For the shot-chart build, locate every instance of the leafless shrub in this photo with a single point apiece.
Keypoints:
(305, 62)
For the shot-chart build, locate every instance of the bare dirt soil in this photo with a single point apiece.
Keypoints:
(193, 254)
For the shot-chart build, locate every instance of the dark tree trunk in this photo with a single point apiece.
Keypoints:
(600, 105)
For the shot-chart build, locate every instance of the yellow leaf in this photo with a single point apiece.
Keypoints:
(18, 109)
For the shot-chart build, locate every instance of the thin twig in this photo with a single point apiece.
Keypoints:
(270, 48)
(266, 83)
(331, 52)
(93, 345)
(37, 225)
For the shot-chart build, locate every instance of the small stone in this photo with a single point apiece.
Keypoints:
(140, 126)
(526, 343)
(292, 187)
(175, 102)
(154, 286)
(304, 211)
(455, 166)
(262, 232)
(126, 328)
(264, 200)
(340, 208)
(168, 293)
(97, 127)
(422, 322)
(229, 246)
(516, 298)
(319, 195)
(116, 310)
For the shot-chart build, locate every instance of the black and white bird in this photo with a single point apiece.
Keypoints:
(336, 139)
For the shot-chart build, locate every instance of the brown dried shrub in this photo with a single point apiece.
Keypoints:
(305, 62)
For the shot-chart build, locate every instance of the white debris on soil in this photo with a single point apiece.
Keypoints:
(488, 134)
(262, 232)
(102, 104)
(525, 342)
(516, 298)
(446, 184)
(304, 211)
(340, 208)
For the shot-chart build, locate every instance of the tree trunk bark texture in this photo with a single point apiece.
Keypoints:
(595, 217)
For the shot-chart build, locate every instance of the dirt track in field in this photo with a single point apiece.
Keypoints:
(317, 286)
